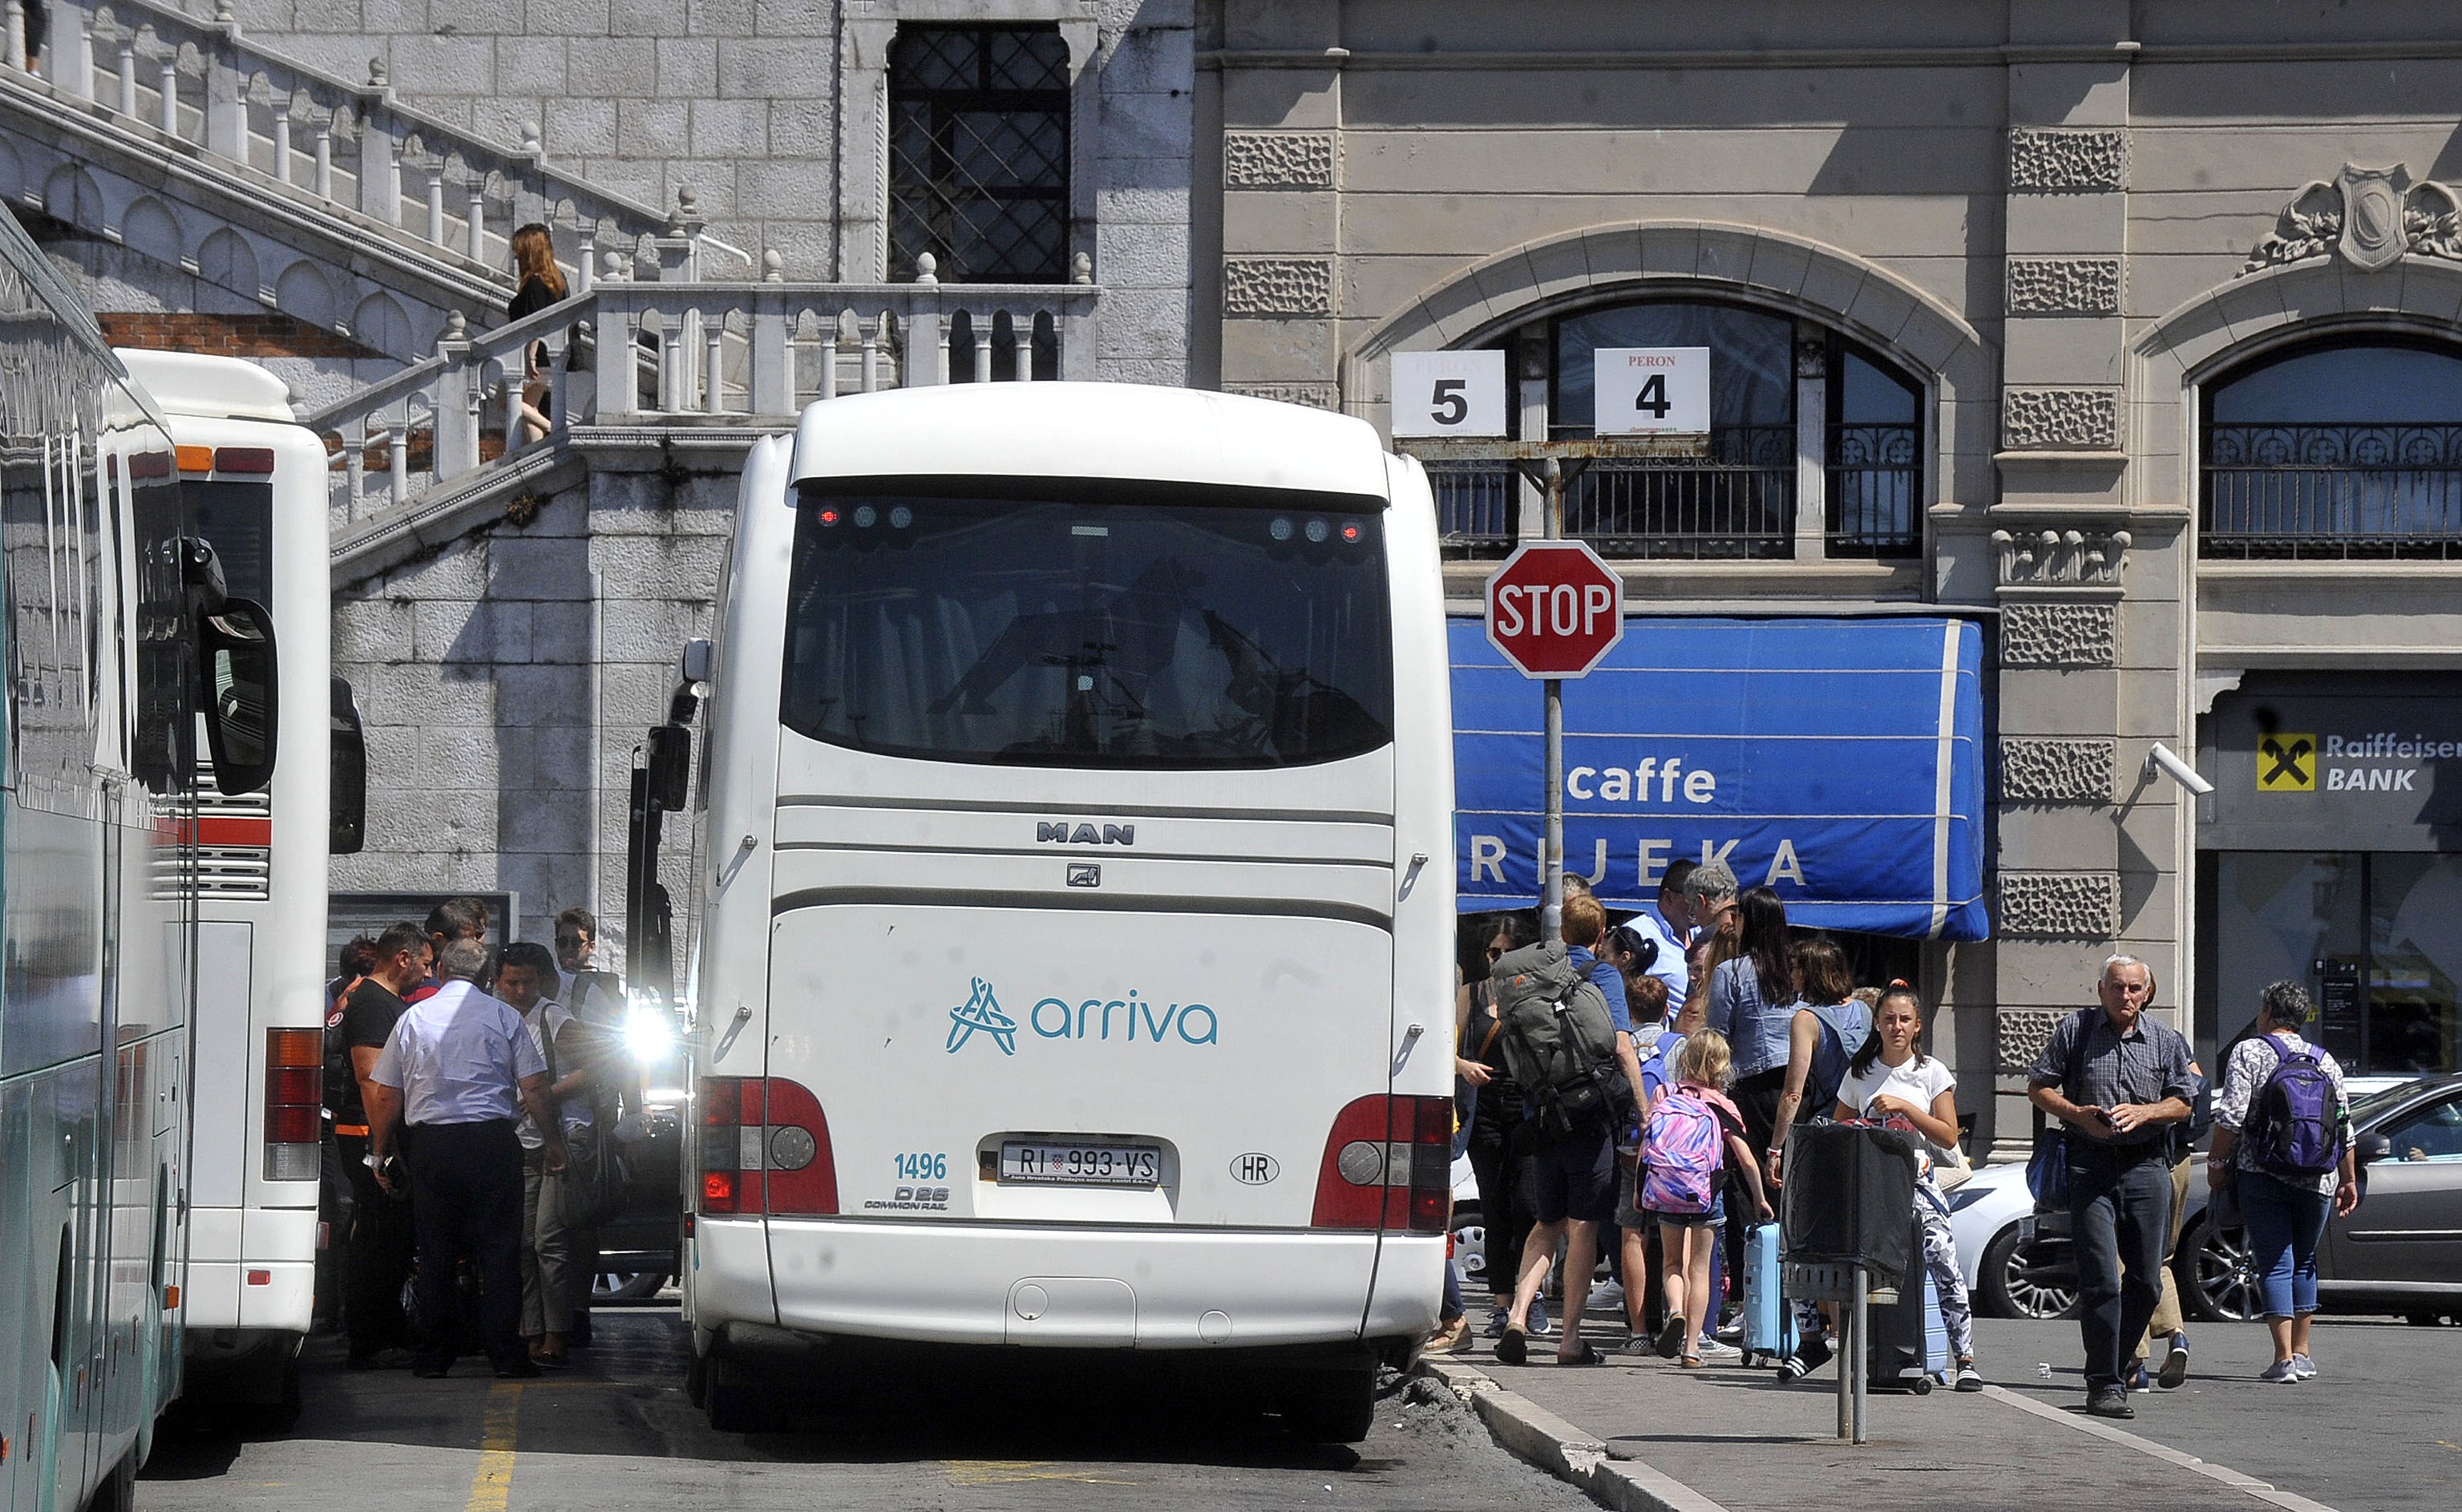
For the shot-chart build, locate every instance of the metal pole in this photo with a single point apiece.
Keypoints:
(1862, 1355)
(1845, 1353)
(1551, 897)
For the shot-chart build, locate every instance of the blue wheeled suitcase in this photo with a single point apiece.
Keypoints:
(1910, 1348)
(1769, 1323)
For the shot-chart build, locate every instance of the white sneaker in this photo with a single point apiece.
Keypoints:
(2304, 1368)
(1608, 1294)
(1715, 1348)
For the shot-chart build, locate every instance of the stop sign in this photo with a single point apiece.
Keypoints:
(1554, 609)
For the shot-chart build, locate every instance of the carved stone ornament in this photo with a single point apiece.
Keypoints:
(2064, 286)
(2368, 216)
(1277, 286)
(2068, 161)
(2042, 770)
(1315, 395)
(2060, 418)
(1278, 160)
(2021, 1034)
(2061, 559)
(2060, 905)
(2061, 635)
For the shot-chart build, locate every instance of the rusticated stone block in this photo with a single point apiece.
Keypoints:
(2035, 771)
(1317, 396)
(2060, 418)
(2063, 286)
(1278, 160)
(1277, 286)
(2019, 1036)
(2057, 161)
(2060, 636)
(2060, 905)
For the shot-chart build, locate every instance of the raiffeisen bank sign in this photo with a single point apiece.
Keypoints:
(2307, 762)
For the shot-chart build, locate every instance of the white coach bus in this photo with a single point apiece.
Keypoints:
(255, 485)
(1078, 920)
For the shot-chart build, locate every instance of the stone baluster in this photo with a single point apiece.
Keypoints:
(167, 80)
(510, 371)
(324, 149)
(16, 38)
(397, 455)
(355, 467)
(829, 374)
(436, 200)
(615, 381)
(585, 264)
(74, 21)
(478, 221)
(128, 74)
(713, 348)
(282, 149)
(455, 405)
(1021, 354)
(984, 328)
(875, 332)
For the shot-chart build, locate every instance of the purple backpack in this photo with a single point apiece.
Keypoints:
(1681, 1153)
(2294, 1122)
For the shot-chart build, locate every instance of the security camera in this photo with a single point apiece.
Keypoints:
(2163, 757)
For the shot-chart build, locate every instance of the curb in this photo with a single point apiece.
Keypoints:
(1539, 1437)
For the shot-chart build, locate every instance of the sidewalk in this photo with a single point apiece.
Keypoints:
(1641, 1433)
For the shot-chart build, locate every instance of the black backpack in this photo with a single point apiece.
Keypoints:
(1559, 1040)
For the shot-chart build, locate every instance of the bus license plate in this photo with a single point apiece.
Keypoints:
(1086, 1164)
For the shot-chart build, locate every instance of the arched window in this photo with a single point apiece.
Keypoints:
(1790, 402)
(2348, 449)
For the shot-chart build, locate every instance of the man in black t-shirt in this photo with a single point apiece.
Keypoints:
(382, 1240)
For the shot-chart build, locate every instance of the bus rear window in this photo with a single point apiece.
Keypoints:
(237, 519)
(1158, 628)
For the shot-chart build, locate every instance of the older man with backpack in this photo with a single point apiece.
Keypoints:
(2282, 1146)
(1569, 1047)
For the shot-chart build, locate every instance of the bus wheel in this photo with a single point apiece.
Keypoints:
(739, 1400)
(1336, 1407)
(696, 1378)
(117, 1492)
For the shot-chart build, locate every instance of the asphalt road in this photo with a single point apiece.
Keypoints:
(617, 1433)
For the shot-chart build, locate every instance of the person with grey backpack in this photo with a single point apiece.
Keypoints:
(2282, 1147)
(1572, 1061)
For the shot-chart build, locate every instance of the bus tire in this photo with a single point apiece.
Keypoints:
(116, 1491)
(1338, 1406)
(739, 1400)
(697, 1378)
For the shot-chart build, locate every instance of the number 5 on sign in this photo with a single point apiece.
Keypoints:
(1448, 393)
(1645, 391)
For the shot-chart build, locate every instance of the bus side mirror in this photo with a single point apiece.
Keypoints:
(347, 829)
(241, 693)
(668, 762)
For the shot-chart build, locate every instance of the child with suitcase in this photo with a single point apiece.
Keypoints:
(1693, 1137)
(1889, 1080)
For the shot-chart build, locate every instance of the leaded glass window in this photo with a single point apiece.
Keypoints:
(979, 153)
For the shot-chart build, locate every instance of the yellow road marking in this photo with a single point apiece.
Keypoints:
(1013, 1471)
(494, 1483)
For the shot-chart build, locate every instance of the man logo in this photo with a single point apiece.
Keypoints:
(1255, 1169)
(2286, 764)
(1046, 833)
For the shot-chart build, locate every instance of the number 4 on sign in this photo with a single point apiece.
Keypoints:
(1449, 394)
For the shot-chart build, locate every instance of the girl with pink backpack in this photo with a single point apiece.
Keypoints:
(1693, 1138)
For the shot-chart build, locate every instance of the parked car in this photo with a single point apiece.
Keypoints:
(2011, 1272)
(2400, 1253)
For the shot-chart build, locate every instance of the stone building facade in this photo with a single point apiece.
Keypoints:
(2166, 393)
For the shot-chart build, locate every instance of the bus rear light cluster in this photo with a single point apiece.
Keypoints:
(764, 1147)
(295, 1097)
(1388, 1165)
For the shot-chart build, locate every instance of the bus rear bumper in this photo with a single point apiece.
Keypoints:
(958, 1282)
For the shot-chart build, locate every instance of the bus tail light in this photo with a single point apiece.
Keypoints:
(1388, 1164)
(294, 1097)
(763, 1148)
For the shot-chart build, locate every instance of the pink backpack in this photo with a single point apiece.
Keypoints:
(1682, 1151)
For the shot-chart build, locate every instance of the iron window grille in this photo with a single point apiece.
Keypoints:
(979, 153)
(2347, 491)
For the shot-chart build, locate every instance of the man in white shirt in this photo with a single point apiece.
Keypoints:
(459, 1070)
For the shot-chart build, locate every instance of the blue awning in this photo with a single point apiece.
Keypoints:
(1837, 761)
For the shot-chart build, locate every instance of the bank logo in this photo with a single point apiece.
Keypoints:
(981, 1013)
(2287, 762)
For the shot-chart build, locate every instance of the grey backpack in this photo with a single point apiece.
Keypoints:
(1557, 1040)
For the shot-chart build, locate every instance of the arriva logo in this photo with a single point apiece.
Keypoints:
(1131, 1020)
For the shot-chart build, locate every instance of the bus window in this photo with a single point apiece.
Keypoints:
(236, 518)
(1137, 625)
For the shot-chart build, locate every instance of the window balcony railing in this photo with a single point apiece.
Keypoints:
(1873, 507)
(2332, 493)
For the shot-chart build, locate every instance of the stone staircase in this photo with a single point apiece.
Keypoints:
(332, 201)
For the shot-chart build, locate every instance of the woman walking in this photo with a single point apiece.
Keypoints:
(1497, 1157)
(2283, 1144)
(1890, 1079)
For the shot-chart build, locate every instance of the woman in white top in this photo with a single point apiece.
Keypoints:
(2286, 1210)
(1890, 1076)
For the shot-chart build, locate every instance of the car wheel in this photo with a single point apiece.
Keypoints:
(2216, 1275)
(1470, 1248)
(2007, 1281)
(626, 1285)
